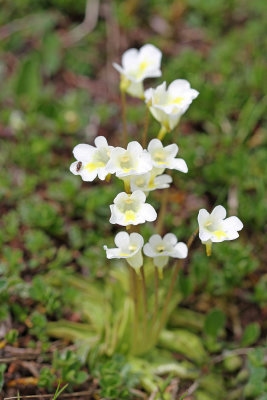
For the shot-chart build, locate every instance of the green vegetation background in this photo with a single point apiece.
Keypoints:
(58, 89)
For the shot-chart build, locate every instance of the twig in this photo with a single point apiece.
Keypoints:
(66, 395)
(190, 390)
(230, 353)
(88, 24)
(8, 360)
(20, 24)
(153, 394)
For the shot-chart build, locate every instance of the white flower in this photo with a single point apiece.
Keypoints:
(148, 182)
(131, 209)
(160, 249)
(91, 161)
(164, 157)
(215, 228)
(129, 247)
(133, 161)
(138, 65)
(167, 105)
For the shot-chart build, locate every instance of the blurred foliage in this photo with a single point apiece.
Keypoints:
(55, 95)
(116, 378)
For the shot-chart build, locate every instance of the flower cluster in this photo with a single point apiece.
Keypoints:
(142, 169)
(129, 246)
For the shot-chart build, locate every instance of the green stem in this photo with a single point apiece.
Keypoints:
(162, 133)
(144, 138)
(179, 264)
(134, 289)
(163, 208)
(156, 303)
(145, 301)
(208, 247)
(127, 185)
(124, 119)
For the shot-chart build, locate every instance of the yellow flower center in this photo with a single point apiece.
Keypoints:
(160, 157)
(178, 100)
(125, 158)
(219, 234)
(92, 166)
(140, 182)
(126, 163)
(143, 65)
(129, 216)
(160, 248)
(129, 201)
(151, 184)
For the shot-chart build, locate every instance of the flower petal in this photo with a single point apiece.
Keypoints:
(136, 239)
(203, 215)
(138, 195)
(101, 141)
(148, 250)
(233, 224)
(136, 261)
(178, 164)
(170, 239)
(161, 261)
(154, 144)
(135, 147)
(149, 212)
(204, 235)
(129, 58)
(83, 152)
(155, 240)
(172, 149)
(112, 253)
(73, 168)
(122, 240)
(219, 212)
(178, 87)
(180, 250)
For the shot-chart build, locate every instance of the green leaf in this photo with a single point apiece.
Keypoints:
(28, 83)
(3, 284)
(183, 342)
(251, 334)
(51, 55)
(214, 323)
(2, 370)
(81, 377)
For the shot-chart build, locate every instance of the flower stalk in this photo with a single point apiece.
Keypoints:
(176, 270)
(162, 133)
(124, 118)
(156, 294)
(146, 124)
(144, 290)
